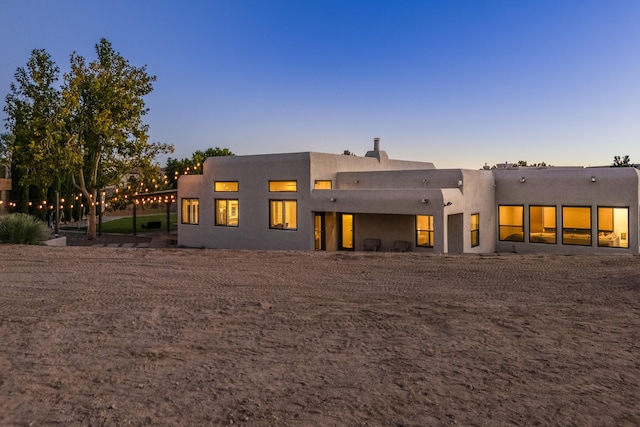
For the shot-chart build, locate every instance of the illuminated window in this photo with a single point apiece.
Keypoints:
(227, 212)
(475, 229)
(542, 224)
(283, 214)
(226, 186)
(190, 211)
(613, 227)
(576, 226)
(511, 222)
(424, 230)
(322, 185)
(283, 186)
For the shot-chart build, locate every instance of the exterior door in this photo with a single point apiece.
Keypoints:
(319, 232)
(455, 231)
(346, 232)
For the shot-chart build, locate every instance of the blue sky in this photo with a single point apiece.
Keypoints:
(458, 83)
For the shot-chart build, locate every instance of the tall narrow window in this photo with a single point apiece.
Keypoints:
(613, 227)
(227, 212)
(226, 186)
(322, 184)
(283, 186)
(576, 225)
(511, 222)
(190, 211)
(424, 231)
(475, 229)
(283, 214)
(542, 224)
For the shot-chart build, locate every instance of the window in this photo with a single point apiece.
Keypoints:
(542, 224)
(283, 186)
(475, 229)
(511, 223)
(576, 226)
(227, 212)
(322, 185)
(424, 231)
(226, 186)
(613, 227)
(190, 211)
(283, 214)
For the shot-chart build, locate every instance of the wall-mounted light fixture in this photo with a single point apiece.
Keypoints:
(333, 199)
(425, 181)
(425, 200)
(593, 179)
(523, 180)
(459, 183)
(448, 204)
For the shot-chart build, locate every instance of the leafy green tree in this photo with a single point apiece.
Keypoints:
(193, 166)
(36, 142)
(103, 109)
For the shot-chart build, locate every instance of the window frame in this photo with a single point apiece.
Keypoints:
(215, 186)
(474, 232)
(272, 223)
(429, 231)
(575, 229)
(281, 181)
(540, 239)
(318, 181)
(227, 213)
(598, 229)
(510, 226)
(186, 203)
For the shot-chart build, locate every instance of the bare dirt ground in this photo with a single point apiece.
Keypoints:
(163, 337)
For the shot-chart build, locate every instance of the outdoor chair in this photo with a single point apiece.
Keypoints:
(399, 246)
(371, 244)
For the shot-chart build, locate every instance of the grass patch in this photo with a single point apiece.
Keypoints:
(125, 225)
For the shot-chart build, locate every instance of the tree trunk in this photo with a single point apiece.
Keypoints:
(91, 219)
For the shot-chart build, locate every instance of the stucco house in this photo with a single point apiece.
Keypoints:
(316, 201)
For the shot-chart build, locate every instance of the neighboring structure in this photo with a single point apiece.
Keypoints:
(307, 201)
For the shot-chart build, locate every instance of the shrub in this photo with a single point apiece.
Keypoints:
(23, 229)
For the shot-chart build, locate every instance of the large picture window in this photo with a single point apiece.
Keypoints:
(283, 186)
(226, 186)
(283, 214)
(542, 224)
(576, 225)
(613, 227)
(227, 212)
(424, 231)
(511, 223)
(190, 211)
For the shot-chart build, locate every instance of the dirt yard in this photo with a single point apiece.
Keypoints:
(165, 337)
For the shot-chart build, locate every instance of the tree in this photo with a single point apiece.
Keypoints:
(103, 108)
(175, 168)
(624, 162)
(36, 141)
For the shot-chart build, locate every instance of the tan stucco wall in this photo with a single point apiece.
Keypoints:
(613, 187)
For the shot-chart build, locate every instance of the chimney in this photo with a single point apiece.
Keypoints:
(376, 150)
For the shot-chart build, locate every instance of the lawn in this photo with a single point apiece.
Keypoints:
(125, 225)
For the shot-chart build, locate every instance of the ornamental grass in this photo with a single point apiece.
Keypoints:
(22, 229)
